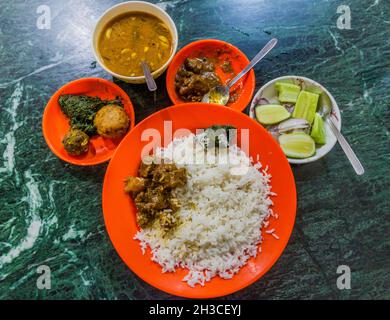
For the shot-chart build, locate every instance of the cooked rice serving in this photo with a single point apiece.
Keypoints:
(224, 206)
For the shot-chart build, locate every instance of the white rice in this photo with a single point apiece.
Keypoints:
(224, 207)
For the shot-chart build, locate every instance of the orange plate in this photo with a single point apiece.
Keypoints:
(208, 48)
(120, 212)
(55, 124)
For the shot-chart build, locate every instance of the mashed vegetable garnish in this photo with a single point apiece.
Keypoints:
(90, 116)
(81, 110)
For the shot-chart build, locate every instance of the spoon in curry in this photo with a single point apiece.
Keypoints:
(221, 94)
(152, 86)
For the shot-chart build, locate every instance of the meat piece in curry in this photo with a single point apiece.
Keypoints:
(153, 194)
(134, 184)
(195, 78)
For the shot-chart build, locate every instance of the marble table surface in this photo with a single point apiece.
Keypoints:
(50, 212)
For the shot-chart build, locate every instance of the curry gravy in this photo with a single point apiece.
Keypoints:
(131, 38)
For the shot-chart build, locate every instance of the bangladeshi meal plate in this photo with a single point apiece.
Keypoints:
(198, 216)
(199, 200)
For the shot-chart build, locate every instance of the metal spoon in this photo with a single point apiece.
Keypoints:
(152, 86)
(325, 108)
(221, 94)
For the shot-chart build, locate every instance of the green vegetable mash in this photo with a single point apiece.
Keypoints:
(81, 111)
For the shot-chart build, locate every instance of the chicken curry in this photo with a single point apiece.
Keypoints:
(195, 78)
(153, 193)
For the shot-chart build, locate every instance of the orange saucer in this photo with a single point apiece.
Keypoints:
(55, 124)
(221, 51)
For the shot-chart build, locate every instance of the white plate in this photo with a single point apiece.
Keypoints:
(269, 92)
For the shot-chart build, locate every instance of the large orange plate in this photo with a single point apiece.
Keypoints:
(120, 212)
(55, 124)
(209, 48)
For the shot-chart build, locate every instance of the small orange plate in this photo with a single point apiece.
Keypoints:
(220, 51)
(55, 124)
(120, 213)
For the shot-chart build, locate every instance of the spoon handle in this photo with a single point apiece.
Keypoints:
(152, 86)
(268, 47)
(353, 159)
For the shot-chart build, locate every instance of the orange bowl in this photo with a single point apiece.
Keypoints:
(120, 212)
(215, 49)
(55, 124)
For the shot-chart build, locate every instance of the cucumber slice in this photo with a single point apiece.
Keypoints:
(271, 114)
(288, 80)
(314, 89)
(318, 130)
(306, 106)
(297, 145)
(288, 92)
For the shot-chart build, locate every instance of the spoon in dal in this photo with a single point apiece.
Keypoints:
(221, 94)
(152, 86)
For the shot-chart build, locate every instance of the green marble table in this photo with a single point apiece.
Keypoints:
(50, 212)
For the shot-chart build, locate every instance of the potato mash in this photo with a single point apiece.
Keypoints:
(112, 122)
